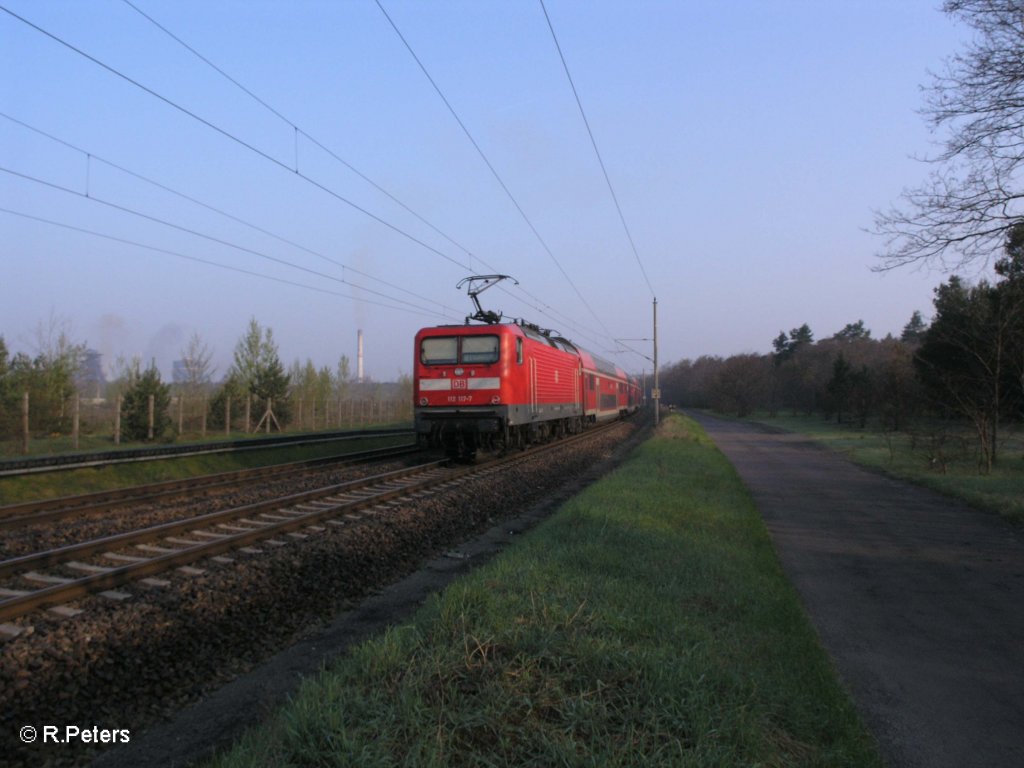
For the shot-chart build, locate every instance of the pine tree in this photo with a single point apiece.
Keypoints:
(135, 406)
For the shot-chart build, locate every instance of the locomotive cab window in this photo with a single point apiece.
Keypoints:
(479, 350)
(439, 350)
(455, 350)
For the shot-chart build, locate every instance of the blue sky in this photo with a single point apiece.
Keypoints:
(748, 144)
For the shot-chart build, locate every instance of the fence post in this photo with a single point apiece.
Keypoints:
(181, 413)
(227, 416)
(75, 414)
(24, 423)
(248, 413)
(202, 422)
(117, 422)
(152, 409)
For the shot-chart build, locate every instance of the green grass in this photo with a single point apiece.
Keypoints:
(940, 457)
(646, 623)
(49, 485)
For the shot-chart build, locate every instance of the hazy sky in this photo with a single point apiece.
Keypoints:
(748, 143)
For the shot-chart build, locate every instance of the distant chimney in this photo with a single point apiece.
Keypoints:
(359, 357)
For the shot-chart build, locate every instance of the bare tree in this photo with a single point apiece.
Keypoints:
(192, 381)
(961, 215)
(343, 378)
(50, 376)
(195, 363)
(309, 392)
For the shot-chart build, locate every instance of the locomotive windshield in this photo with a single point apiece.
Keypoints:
(452, 350)
(441, 350)
(479, 349)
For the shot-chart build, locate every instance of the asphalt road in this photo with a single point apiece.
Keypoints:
(919, 600)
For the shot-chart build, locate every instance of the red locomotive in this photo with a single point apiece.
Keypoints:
(503, 385)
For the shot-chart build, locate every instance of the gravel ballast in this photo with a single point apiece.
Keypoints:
(130, 665)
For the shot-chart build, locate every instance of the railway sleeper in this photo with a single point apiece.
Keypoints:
(86, 568)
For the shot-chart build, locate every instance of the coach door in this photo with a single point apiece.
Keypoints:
(534, 403)
(580, 403)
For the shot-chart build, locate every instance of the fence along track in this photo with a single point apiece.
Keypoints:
(47, 510)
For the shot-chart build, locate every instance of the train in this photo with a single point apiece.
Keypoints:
(497, 385)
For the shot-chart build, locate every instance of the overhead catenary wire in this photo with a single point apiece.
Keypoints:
(232, 137)
(537, 305)
(593, 143)
(196, 233)
(200, 260)
(92, 156)
(241, 142)
(302, 132)
(493, 170)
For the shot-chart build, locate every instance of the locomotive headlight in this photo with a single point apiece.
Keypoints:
(424, 401)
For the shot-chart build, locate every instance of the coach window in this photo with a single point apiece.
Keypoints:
(479, 350)
(519, 351)
(439, 350)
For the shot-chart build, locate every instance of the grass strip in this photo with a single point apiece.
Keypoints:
(646, 623)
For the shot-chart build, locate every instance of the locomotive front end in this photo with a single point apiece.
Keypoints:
(460, 402)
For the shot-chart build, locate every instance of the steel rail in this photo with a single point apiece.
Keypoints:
(62, 593)
(28, 466)
(46, 510)
(60, 555)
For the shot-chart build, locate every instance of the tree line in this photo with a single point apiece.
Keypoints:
(969, 363)
(966, 366)
(256, 383)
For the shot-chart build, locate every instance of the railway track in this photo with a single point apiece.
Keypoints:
(49, 510)
(149, 551)
(33, 465)
(131, 663)
(56, 577)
